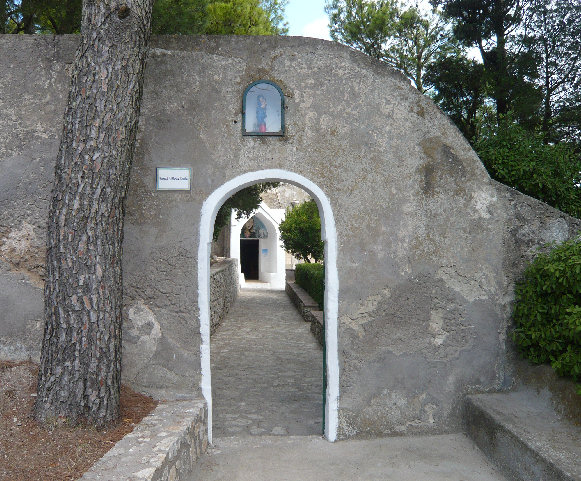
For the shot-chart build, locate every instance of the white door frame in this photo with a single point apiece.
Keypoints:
(328, 234)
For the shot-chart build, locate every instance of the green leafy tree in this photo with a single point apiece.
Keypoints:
(186, 17)
(58, 17)
(553, 37)
(460, 89)
(361, 24)
(521, 159)
(18, 15)
(547, 310)
(408, 40)
(238, 17)
(418, 40)
(28, 15)
(7, 10)
(244, 201)
(486, 25)
(275, 11)
(566, 122)
(300, 232)
(492, 26)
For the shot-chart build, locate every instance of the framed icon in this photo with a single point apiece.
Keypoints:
(263, 109)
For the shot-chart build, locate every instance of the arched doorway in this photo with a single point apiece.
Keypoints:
(255, 242)
(329, 236)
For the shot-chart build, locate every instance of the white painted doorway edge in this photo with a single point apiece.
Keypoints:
(328, 234)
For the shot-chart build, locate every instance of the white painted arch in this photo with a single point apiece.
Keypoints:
(329, 235)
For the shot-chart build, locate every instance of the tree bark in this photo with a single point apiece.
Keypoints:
(3, 16)
(28, 14)
(80, 371)
(501, 76)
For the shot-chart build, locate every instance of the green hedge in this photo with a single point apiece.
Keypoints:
(548, 310)
(311, 277)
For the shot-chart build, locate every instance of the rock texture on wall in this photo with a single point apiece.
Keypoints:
(284, 196)
(428, 245)
(165, 446)
(223, 290)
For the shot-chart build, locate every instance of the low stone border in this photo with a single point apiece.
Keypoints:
(300, 298)
(223, 290)
(317, 325)
(164, 446)
(308, 308)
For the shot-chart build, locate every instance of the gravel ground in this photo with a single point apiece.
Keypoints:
(31, 452)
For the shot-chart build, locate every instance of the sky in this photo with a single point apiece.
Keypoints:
(307, 18)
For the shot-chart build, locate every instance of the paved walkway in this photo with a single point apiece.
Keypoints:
(266, 369)
(451, 457)
(267, 397)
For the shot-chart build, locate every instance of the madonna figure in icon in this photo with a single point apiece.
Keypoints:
(263, 109)
(261, 114)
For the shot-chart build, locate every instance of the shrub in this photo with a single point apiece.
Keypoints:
(522, 160)
(311, 277)
(300, 232)
(547, 310)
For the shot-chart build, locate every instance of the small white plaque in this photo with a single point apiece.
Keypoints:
(173, 178)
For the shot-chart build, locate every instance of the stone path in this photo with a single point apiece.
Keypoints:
(266, 369)
(267, 398)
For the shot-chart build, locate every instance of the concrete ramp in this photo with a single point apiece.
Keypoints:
(451, 457)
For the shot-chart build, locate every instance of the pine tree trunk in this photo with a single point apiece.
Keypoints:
(80, 371)
(28, 14)
(3, 16)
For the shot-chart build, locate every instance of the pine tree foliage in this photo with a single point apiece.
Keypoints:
(187, 17)
(405, 38)
(553, 37)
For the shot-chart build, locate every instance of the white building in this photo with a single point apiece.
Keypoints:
(255, 242)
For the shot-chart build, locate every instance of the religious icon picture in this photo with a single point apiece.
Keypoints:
(263, 109)
(254, 229)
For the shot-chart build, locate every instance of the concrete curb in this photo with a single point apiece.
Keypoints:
(308, 308)
(164, 446)
(523, 436)
(300, 298)
(317, 325)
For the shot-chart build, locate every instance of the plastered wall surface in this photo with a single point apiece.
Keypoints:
(428, 245)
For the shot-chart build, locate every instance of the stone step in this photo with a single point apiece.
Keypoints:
(524, 436)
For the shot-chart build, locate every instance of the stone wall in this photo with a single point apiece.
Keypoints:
(164, 446)
(428, 245)
(223, 290)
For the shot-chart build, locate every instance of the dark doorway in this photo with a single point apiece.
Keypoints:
(249, 258)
